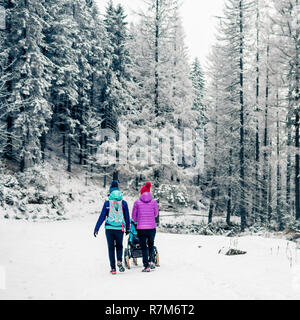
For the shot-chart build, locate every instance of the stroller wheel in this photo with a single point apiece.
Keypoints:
(157, 260)
(126, 259)
(135, 261)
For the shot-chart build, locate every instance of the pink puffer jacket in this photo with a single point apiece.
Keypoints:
(144, 212)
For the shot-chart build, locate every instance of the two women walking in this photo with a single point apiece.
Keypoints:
(115, 213)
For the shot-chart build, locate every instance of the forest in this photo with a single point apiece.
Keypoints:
(83, 84)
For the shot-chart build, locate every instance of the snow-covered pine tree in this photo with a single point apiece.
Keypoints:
(92, 118)
(197, 77)
(234, 130)
(118, 88)
(198, 82)
(260, 60)
(3, 75)
(61, 49)
(235, 30)
(287, 21)
(154, 60)
(6, 61)
(2, 123)
(116, 97)
(82, 42)
(181, 95)
(222, 153)
(89, 42)
(27, 109)
(165, 90)
(212, 100)
(257, 192)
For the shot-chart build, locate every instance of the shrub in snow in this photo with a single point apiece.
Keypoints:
(9, 181)
(215, 228)
(293, 225)
(174, 195)
(9, 200)
(34, 177)
(26, 196)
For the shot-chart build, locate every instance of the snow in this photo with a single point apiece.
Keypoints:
(62, 260)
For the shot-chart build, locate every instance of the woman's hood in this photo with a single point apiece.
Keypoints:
(146, 197)
(116, 195)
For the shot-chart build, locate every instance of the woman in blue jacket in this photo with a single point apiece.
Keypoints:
(115, 213)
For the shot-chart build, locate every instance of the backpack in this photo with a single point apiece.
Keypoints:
(115, 217)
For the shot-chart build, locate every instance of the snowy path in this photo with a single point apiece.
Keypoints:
(62, 260)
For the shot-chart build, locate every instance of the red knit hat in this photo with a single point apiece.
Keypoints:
(146, 188)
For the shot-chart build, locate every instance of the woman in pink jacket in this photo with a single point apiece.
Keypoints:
(145, 210)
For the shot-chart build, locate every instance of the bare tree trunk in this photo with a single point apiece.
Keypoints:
(279, 186)
(9, 84)
(257, 211)
(242, 123)
(43, 145)
(270, 187)
(213, 184)
(156, 75)
(297, 124)
(212, 203)
(69, 154)
(297, 173)
(289, 159)
(265, 163)
(229, 191)
(104, 179)
(80, 147)
(64, 144)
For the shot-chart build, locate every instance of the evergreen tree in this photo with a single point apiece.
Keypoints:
(63, 52)
(164, 88)
(27, 106)
(116, 97)
(231, 146)
(92, 117)
(198, 82)
(287, 22)
(3, 76)
(178, 69)
(154, 60)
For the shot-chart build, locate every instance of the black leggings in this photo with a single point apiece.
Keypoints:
(147, 236)
(114, 240)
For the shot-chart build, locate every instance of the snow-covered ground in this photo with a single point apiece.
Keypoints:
(62, 260)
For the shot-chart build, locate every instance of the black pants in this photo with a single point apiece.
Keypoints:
(147, 236)
(114, 240)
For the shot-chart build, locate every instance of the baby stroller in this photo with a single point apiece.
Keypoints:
(134, 250)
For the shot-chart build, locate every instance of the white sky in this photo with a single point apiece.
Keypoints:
(198, 21)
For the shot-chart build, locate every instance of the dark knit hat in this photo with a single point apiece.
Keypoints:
(114, 186)
(146, 188)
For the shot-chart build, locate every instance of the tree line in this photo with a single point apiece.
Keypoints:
(253, 110)
(67, 71)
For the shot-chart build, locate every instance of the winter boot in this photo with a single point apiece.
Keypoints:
(120, 266)
(152, 265)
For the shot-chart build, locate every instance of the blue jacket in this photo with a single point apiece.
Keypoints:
(133, 232)
(105, 212)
